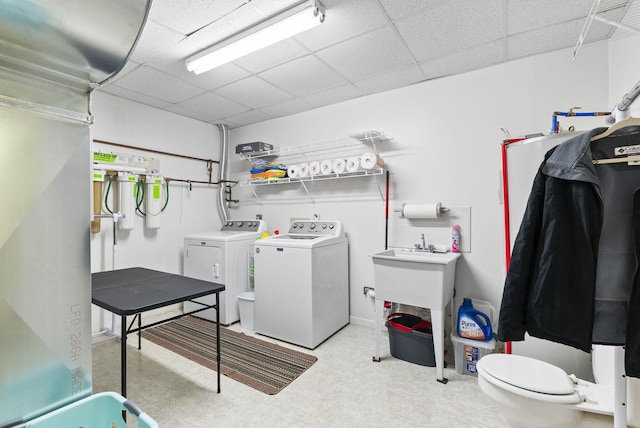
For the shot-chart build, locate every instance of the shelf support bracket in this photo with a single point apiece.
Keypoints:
(256, 195)
(306, 189)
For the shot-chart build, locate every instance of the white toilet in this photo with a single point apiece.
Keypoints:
(533, 393)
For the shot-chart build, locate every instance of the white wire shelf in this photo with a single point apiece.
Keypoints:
(352, 142)
(332, 176)
(342, 148)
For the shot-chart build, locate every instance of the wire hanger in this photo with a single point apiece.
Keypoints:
(632, 121)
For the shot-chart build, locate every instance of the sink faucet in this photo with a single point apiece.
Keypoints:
(424, 246)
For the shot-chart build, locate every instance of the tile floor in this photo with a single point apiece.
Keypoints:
(344, 388)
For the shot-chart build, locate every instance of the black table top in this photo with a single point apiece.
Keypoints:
(134, 290)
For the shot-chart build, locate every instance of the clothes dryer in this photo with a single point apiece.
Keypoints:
(302, 283)
(222, 257)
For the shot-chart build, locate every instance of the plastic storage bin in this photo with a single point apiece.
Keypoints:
(468, 352)
(411, 339)
(102, 410)
(246, 305)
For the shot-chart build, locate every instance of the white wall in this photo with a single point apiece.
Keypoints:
(446, 148)
(188, 211)
(624, 70)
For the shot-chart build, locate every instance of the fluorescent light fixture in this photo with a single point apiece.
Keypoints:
(292, 21)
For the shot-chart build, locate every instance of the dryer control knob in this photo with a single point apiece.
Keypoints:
(312, 226)
(239, 224)
(324, 225)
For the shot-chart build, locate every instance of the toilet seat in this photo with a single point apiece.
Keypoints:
(529, 378)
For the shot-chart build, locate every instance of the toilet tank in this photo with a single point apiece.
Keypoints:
(602, 363)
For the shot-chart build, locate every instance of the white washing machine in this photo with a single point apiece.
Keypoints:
(302, 283)
(222, 257)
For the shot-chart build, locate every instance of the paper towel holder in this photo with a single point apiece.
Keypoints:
(433, 210)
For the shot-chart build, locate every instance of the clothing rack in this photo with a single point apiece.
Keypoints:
(619, 113)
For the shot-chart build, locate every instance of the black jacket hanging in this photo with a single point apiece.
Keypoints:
(573, 274)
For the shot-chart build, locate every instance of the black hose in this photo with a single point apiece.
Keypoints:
(106, 196)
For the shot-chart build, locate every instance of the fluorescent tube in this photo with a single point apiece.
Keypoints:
(295, 21)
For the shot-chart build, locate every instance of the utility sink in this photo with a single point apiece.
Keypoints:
(411, 255)
(416, 278)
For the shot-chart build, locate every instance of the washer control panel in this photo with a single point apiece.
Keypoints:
(315, 227)
(244, 225)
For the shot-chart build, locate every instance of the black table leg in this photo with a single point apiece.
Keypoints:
(140, 331)
(123, 356)
(123, 360)
(218, 336)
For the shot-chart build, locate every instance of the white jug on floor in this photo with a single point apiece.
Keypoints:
(533, 393)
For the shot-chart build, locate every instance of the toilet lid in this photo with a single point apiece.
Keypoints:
(528, 373)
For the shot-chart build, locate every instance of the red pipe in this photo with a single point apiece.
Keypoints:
(505, 202)
(386, 214)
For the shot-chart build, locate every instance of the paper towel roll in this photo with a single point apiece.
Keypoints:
(421, 210)
(353, 164)
(371, 160)
(326, 166)
(292, 171)
(303, 170)
(339, 165)
(314, 168)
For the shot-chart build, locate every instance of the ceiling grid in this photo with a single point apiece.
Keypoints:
(363, 47)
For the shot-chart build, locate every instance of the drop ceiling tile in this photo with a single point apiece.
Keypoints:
(333, 96)
(239, 20)
(154, 42)
(212, 106)
(253, 92)
(204, 116)
(434, 34)
(632, 19)
(344, 19)
(392, 80)
(472, 59)
(209, 80)
(271, 56)
(553, 38)
(287, 108)
(187, 16)
(249, 117)
(526, 15)
(369, 54)
(128, 67)
(402, 9)
(272, 7)
(303, 76)
(160, 85)
(359, 40)
(134, 96)
(227, 122)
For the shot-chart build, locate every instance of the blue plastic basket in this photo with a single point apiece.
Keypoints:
(96, 411)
